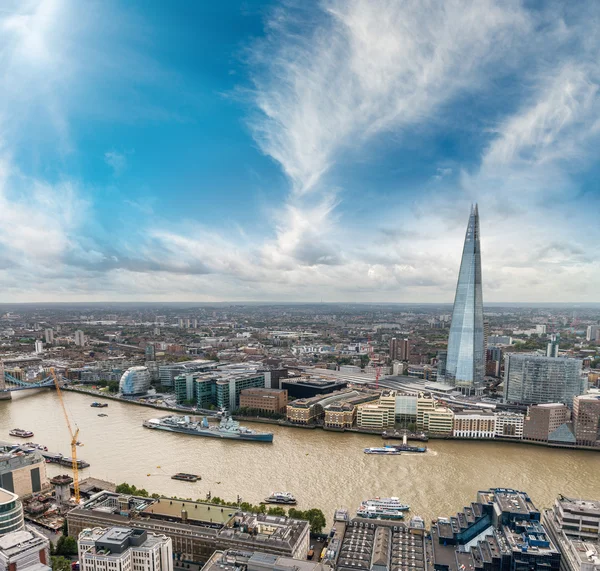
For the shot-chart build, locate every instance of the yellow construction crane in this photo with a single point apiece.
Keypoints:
(72, 434)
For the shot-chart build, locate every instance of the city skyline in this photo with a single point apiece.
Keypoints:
(297, 152)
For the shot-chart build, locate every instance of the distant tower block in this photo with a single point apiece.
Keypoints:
(62, 488)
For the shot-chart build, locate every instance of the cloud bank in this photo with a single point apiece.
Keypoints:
(331, 85)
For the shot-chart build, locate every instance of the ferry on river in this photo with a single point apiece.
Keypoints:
(382, 508)
(97, 404)
(227, 428)
(281, 498)
(21, 433)
(384, 451)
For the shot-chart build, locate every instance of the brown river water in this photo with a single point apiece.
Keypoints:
(322, 469)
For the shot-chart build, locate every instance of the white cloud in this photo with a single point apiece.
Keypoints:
(372, 66)
(116, 161)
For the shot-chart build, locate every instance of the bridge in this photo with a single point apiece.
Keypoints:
(9, 384)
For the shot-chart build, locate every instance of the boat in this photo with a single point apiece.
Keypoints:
(97, 404)
(227, 428)
(281, 498)
(382, 508)
(21, 433)
(385, 451)
(405, 447)
(102, 414)
(186, 477)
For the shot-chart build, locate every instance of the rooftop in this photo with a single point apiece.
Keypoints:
(195, 511)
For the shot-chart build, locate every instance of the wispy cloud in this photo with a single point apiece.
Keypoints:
(116, 161)
(369, 67)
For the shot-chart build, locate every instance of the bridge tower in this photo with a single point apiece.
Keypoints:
(4, 394)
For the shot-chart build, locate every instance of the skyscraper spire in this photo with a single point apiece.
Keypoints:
(465, 362)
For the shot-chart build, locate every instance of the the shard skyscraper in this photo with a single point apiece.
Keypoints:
(465, 361)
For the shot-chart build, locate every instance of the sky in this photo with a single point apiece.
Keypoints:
(283, 150)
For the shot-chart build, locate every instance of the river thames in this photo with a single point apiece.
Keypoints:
(322, 469)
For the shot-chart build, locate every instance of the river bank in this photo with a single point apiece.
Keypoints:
(355, 430)
(321, 468)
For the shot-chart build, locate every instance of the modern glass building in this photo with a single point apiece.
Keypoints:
(135, 381)
(11, 512)
(465, 361)
(533, 379)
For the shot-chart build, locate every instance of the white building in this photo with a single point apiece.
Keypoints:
(79, 338)
(135, 381)
(593, 333)
(509, 424)
(24, 550)
(49, 334)
(39, 346)
(124, 549)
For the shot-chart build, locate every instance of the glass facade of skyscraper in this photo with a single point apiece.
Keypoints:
(533, 379)
(465, 362)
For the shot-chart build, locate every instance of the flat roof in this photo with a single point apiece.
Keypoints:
(196, 511)
(6, 496)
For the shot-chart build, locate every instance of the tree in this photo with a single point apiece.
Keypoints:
(316, 519)
(60, 563)
(113, 387)
(66, 545)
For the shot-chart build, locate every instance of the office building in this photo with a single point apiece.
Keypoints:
(22, 474)
(358, 544)
(230, 386)
(49, 335)
(39, 346)
(574, 526)
(24, 550)
(438, 421)
(135, 381)
(169, 371)
(308, 411)
(425, 404)
(150, 352)
(79, 338)
(593, 333)
(374, 417)
(548, 422)
(586, 419)
(532, 379)
(509, 425)
(500, 531)
(196, 529)
(233, 560)
(21, 547)
(12, 512)
(465, 362)
(264, 400)
(552, 347)
(406, 409)
(308, 388)
(474, 424)
(124, 549)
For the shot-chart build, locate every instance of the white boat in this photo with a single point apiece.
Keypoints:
(382, 508)
(281, 498)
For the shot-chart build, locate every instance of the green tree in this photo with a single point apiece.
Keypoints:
(60, 563)
(113, 387)
(66, 545)
(317, 521)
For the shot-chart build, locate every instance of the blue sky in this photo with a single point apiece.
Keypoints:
(249, 150)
